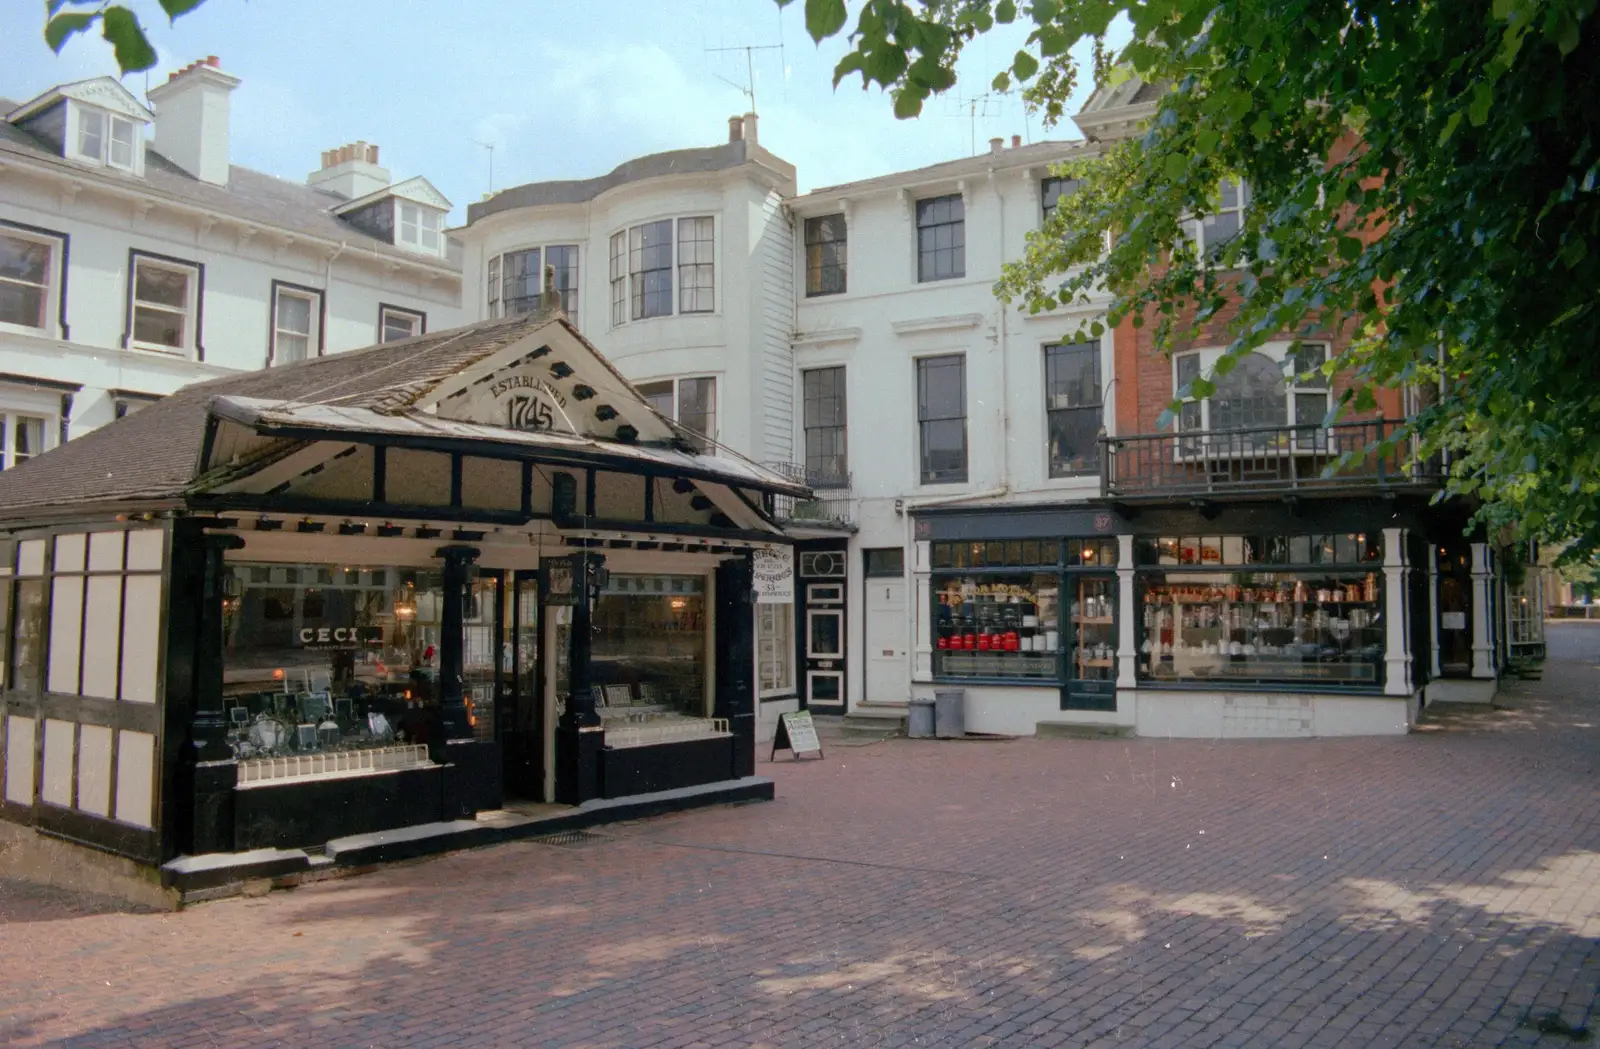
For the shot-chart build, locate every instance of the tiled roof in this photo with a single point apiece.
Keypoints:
(151, 455)
(250, 195)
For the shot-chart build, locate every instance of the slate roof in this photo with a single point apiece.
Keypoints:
(656, 165)
(250, 195)
(151, 455)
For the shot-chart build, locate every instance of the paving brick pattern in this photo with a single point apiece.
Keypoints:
(1441, 889)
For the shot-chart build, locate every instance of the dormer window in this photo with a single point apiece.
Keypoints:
(104, 138)
(419, 227)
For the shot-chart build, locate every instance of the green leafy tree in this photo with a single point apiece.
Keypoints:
(119, 26)
(1424, 175)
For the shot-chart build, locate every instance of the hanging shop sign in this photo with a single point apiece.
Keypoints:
(773, 575)
(797, 733)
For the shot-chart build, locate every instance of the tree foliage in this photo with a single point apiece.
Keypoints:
(119, 26)
(1425, 174)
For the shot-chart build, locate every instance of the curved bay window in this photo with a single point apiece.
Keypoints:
(1261, 609)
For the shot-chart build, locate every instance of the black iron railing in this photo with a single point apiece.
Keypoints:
(1264, 459)
(830, 496)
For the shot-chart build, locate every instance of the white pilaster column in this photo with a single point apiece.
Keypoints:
(1126, 653)
(1397, 635)
(1433, 612)
(922, 612)
(1482, 609)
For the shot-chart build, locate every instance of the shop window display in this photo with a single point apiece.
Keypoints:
(648, 660)
(1308, 609)
(322, 659)
(997, 626)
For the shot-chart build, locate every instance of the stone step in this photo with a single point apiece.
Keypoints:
(880, 722)
(1078, 730)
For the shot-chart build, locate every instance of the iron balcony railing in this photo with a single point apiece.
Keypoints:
(1264, 459)
(830, 496)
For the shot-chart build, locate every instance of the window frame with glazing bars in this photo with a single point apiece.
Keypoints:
(1057, 355)
(925, 367)
(945, 213)
(827, 255)
(315, 317)
(817, 407)
(1052, 190)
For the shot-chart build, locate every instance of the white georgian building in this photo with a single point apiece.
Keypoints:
(135, 258)
(798, 330)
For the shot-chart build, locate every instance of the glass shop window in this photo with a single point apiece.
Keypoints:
(997, 626)
(648, 657)
(321, 659)
(1282, 609)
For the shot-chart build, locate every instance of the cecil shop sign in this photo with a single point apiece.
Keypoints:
(340, 636)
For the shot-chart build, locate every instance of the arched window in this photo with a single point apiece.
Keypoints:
(1252, 394)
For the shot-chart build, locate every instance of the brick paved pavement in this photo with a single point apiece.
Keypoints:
(1441, 889)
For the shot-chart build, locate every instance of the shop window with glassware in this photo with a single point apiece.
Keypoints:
(335, 660)
(1261, 609)
(1021, 610)
(648, 661)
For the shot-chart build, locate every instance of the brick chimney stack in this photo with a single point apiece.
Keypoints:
(191, 110)
(351, 171)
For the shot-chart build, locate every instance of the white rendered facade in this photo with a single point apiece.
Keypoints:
(137, 272)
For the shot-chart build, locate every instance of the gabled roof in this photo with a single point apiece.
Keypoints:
(1117, 109)
(103, 91)
(418, 190)
(152, 458)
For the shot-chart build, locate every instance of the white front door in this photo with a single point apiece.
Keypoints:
(887, 673)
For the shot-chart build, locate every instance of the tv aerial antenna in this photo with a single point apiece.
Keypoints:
(748, 88)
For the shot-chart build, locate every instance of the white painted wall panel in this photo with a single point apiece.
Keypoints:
(102, 626)
(55, 786)
(105, 551)
(141, 637)
(70, 552)
(94, 769)
(136, 769)
(146, 549)
(66, 634)
(19, 760)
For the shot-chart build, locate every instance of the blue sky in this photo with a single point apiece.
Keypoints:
(561, 89)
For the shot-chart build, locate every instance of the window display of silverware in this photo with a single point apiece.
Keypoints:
(1005, 627)
(1262, 627)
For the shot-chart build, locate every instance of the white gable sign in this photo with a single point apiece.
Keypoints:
(519, 399)
(559, 385)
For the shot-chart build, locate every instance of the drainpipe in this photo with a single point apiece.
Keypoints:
(327, 281)
(1000, 330)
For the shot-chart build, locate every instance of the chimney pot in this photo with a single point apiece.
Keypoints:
(735, 129)
(211, 60)
(1016, 141)
(750, 129)
(996, 144)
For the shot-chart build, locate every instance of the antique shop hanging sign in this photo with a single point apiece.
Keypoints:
(773, 574)
(797, 733)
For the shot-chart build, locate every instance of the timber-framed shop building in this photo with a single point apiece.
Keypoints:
(386, 589)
